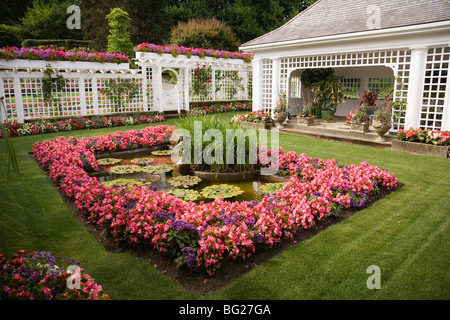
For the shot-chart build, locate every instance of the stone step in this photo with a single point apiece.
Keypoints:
(339, 132)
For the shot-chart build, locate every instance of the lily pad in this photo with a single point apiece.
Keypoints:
(108, 161)
(185, 194)
(221, 191)
(149, 179)
(124, 183)
(270, 188)
(125, 169)
(157, 168)
(143, 160)
(162, 152)
(184, 181)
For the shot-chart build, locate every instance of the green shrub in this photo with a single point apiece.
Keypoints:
(204, 33)
(119, 38)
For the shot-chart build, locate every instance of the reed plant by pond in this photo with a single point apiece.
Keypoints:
(218, 145)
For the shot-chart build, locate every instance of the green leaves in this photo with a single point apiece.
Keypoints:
(119, 38)
(270, 188)
(108, 161)
(185, 194)
(221, 191)
(184, 181)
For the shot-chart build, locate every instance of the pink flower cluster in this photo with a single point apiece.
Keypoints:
(12, 53)
(211, 232)
(35, 276)
(176, 50)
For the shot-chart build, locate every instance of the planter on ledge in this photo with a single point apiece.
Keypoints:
(258, 125)
(305, 121)
(381, 128)
(419, 148)
(359, 127)
(279, 119)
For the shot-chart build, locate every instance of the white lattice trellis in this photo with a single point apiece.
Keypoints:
(81, 95)
(435, 87)
(397, 60)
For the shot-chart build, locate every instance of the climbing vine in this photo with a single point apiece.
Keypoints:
(51, 83)
(120, 91)
(201, 82)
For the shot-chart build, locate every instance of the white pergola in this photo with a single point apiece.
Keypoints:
(407, 42)
(178, 97)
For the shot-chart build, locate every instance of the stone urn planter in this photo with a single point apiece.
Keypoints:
(381, 128)
(359, 126)
(279, 119)
(305, 121)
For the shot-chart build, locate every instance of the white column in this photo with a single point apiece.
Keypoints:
(275, 82)
(187, 86)
(213, 85)
(19, 101)
(82, 92)
(3, 115)
(446, 114)
(157, 89)
(95, 97)
(144, 87)
(257, 84)
(415, 87)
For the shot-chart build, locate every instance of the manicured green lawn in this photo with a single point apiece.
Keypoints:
(406, 234)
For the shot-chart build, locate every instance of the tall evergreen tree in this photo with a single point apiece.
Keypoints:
(148, 20)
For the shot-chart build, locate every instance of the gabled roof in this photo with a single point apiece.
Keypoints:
(334, 17)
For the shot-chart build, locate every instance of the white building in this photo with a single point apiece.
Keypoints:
(371, 44)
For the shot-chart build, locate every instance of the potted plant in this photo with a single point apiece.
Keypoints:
(348, 118)
(304, 116)
(280, 113)
(382, 121)
(369, 100)
(328, 95)
(360, 120)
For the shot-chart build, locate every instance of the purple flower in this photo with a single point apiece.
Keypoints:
(190, 259)
(164, 215)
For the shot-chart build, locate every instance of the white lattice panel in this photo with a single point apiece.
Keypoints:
(399, 60)
(435, 86)
(266, 88)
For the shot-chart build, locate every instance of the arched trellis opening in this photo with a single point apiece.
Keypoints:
(420, 84)
(355, 80)
(204, 79)
(275, 74)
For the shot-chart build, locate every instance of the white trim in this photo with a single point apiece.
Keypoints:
(422, 29)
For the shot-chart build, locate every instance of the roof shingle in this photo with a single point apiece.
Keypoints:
(333, 17)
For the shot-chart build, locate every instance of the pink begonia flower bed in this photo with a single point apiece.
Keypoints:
(203, 235)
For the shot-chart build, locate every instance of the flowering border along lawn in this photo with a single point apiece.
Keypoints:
(203, 235)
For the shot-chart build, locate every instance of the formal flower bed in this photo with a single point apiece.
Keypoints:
(46, 126)
(36, 276)
(255, 116)
(428, 136)
(189, 52)
(202, 236)
(218, 108)
(12, 53)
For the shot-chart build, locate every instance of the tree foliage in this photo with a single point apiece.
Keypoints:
(46, 19)
(119, 38)
(204, 33)
(150, 20)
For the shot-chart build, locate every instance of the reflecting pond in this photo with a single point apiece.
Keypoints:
(155, 170)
